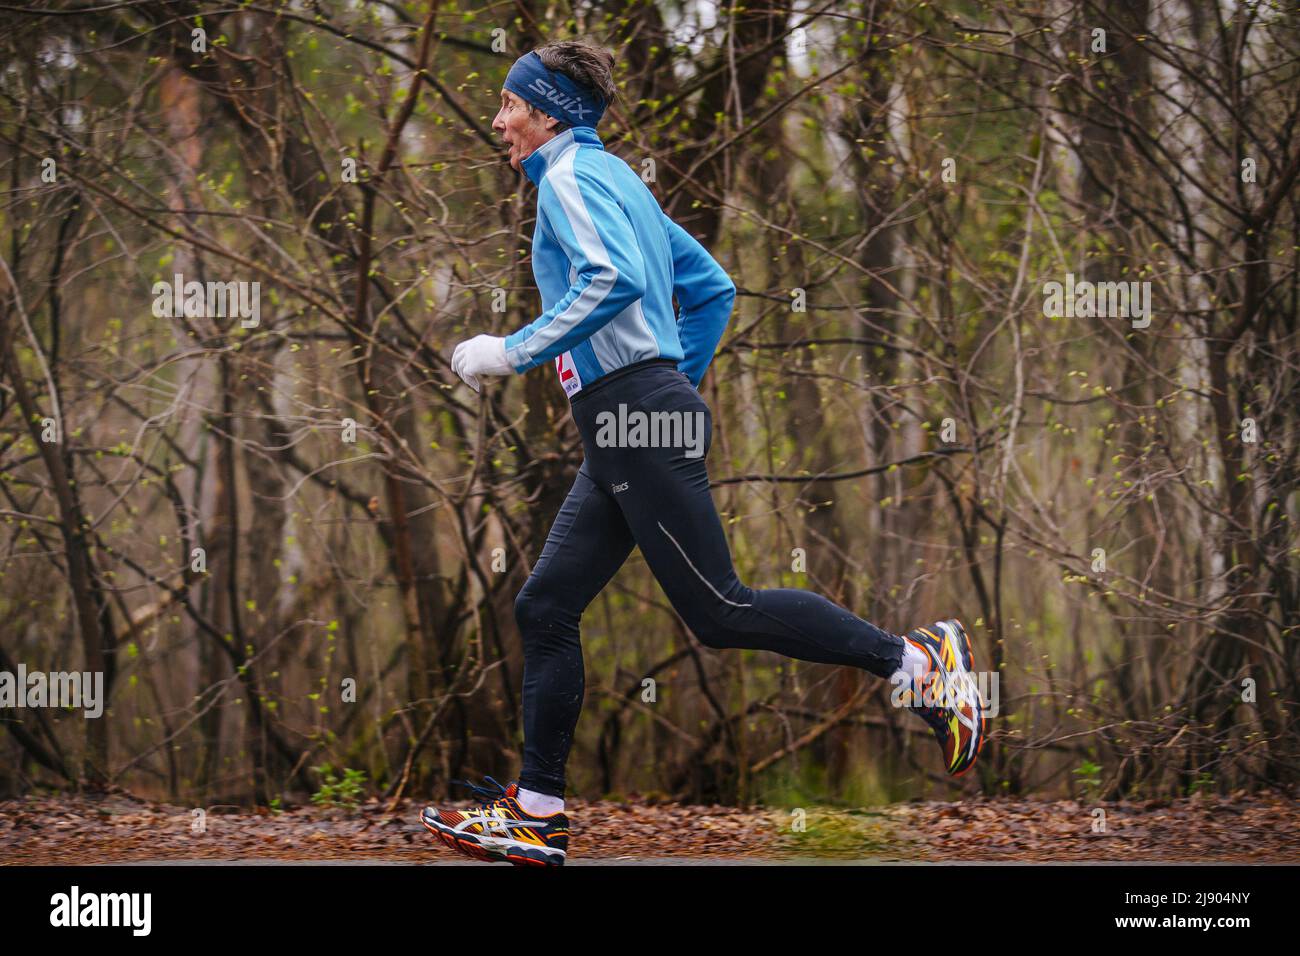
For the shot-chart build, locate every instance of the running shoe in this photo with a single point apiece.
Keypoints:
(499, 830)
(947, 697)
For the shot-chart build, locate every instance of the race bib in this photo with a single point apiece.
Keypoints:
(569, 377)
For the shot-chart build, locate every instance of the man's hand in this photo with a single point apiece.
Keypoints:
(481, 355)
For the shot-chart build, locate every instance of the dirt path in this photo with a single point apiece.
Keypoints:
(122, 829)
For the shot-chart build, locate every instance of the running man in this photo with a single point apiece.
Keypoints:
(608, 263)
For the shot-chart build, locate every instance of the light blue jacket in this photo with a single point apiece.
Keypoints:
(608, 261)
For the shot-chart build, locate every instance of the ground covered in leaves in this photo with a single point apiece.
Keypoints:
(119, 828)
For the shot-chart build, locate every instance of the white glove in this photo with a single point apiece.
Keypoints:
(481, 355)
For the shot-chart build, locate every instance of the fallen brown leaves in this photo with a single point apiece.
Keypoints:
(1244, 829)
(121, 828)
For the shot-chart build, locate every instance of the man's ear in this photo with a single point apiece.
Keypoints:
(551, 123)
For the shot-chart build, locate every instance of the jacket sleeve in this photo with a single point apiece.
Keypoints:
(589, 224)
(705, 294)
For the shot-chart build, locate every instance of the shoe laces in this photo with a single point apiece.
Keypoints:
(937, 692)
(487, 815)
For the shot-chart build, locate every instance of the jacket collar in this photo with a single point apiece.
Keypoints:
(545, 156)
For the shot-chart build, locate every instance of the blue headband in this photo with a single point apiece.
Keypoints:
(554, 93)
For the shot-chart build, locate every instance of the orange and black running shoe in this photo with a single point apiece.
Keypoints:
(499, 830)
(946, 696)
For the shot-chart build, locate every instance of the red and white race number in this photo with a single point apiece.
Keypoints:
(570, 380)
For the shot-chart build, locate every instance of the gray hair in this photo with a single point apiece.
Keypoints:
(585, 63)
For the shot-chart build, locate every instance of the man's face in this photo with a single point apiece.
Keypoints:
(522, 133)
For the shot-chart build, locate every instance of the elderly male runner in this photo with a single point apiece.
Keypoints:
(608, 263)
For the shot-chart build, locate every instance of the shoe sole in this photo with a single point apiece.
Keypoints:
(508, 851)
(967, 666)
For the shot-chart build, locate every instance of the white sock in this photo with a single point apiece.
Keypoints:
(912, 667)
(539, 804)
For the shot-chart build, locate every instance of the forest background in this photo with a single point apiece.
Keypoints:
(292, 547)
